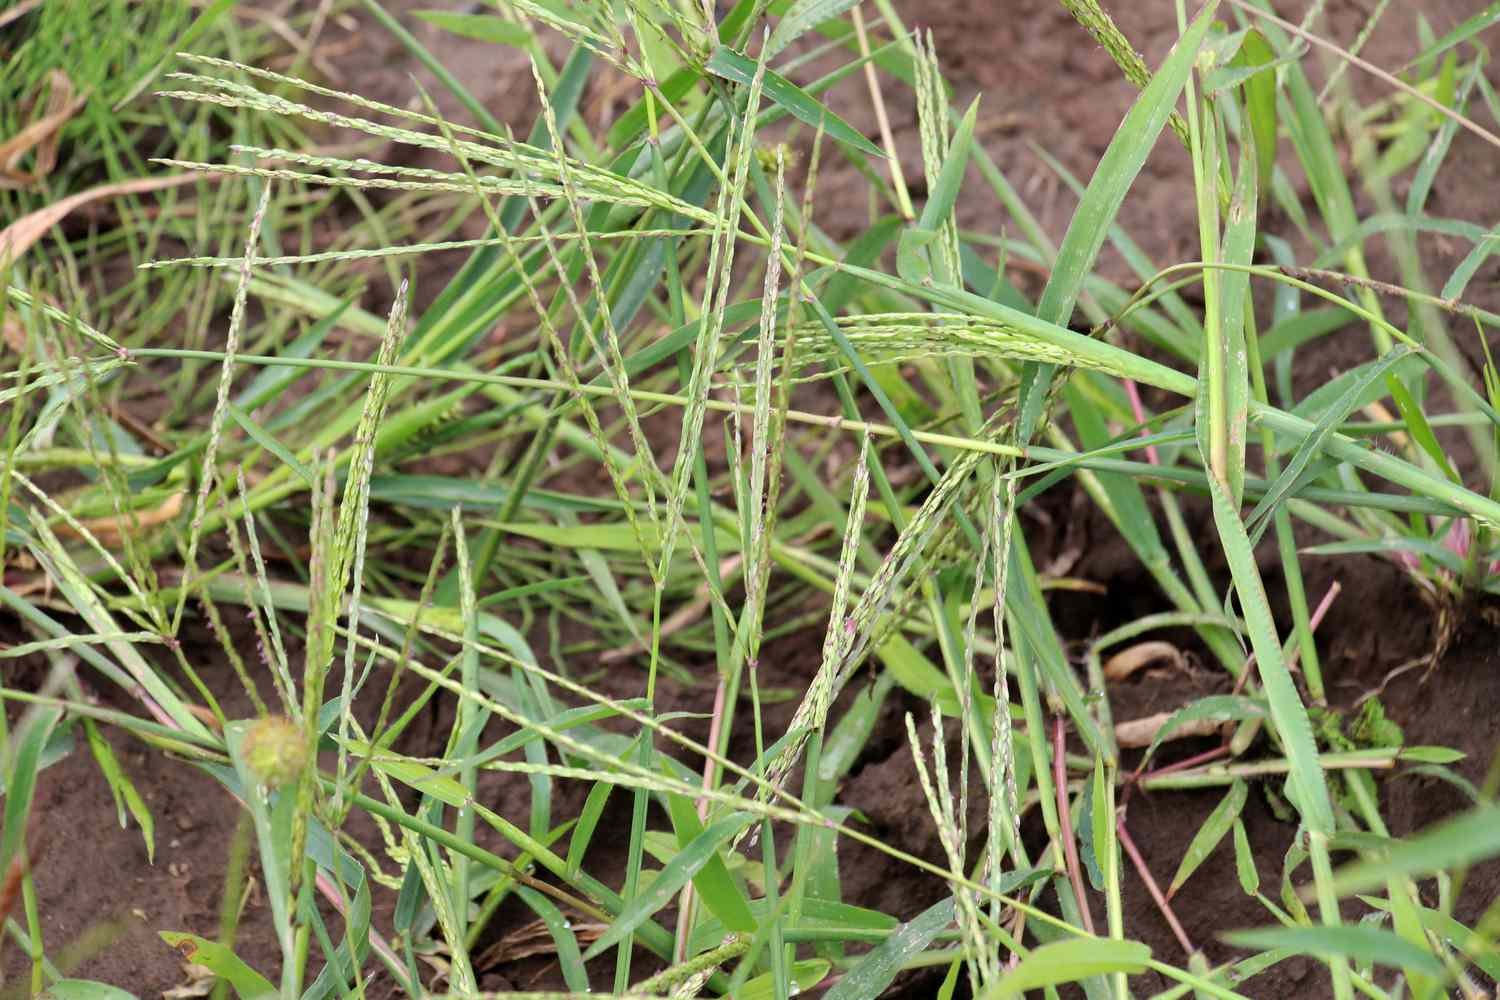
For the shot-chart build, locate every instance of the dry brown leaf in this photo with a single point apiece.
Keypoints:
(1379, 414)
(1132, 658)
(13, 333)
(43, 135)
(534, 939)
(17, 238)
(198, 981)
(109, 530)
(40, 583)
(1139, 733)
(1072, 583)
(20, 9)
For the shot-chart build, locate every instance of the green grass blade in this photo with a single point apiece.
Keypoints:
(1418, 427)
(1089, 228)
(1471, 837)
(1472, 944)
(803, 975)
(713, 882)
(480, 27)
(1360, 943)
(1237, 249)
(266, 440)
(1068, 962)
(568, 956)
(869, 977)
(1244, 860)
(1358, 383)
(688, 862)
(127, 796)
(588, 822)
(1260, 103)
(1218, 707)
(732, 66)
(1225, 815)
(800, 18)
(1470, 28)
(84, 989)
(248, 984)
(1286, 709)
(20, 784)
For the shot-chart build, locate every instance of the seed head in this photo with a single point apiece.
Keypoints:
(274, 750)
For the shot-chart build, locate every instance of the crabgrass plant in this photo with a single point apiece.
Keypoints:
(680, 327)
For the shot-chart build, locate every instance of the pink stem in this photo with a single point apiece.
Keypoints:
(1316, 618)
(1313, 621)
(334, 896)
(715, 728)
(1184, 764)
(687, 901)
(1151, 887)
(1065, 818)
(1134, 395)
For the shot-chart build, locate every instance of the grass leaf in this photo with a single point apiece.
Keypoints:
(868, 977)
(1260, 103)
(20, 785)
(732, 66)
(1068, 962)
(1470, 28)
(248, 984)
(1116, 172)
(588, 821)
(127, 797)
(804, 976)
(1219, 707)
(801, 17)
(1288, 713)
(713, 881)
(1357, 383)
(83, 989)
(1225, 815)
(480, 27)
(689, 861)
(1471, 837)
(1361, 943)
(1418, 427)
(1244, 860)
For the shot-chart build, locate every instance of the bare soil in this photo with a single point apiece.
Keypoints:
(1044, 83)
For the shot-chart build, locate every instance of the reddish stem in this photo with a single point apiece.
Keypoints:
(1153, 888)
(28, 852)
(10, 888)
(687, 901)
(1184, 764)
(1133, 393)
(1017, 931)
(1316, 618)
(1065, 818)
(335, 896)
(1313, 621)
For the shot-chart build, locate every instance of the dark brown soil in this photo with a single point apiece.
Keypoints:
(1045, 84)
(94, 880)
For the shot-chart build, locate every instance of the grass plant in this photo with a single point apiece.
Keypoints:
(711, 424)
